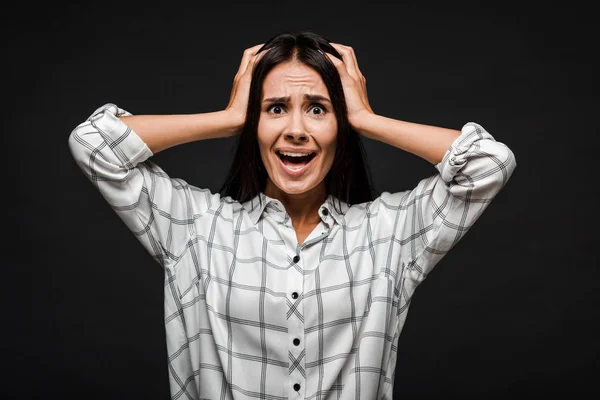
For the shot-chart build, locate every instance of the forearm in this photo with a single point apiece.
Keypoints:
(160, 132)
(426, 141)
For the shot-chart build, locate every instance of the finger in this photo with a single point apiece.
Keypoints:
(344, 74)
(355, 60)
(251, 64)
(256, 58)
(347, 51)
(349, 59)
(249, 61)
(339, 65)
(249, 53)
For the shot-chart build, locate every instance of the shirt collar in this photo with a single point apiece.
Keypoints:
(257, 206)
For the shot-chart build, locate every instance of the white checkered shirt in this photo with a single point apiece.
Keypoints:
(249, 313)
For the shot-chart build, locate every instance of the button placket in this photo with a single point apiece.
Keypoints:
(296, 370)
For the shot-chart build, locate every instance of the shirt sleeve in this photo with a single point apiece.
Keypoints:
(160, 211)
(429, 220)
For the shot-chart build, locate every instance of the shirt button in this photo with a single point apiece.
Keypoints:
(325, 212)
(296, 259)
(296, 387)
(296, 342)
(295, 295)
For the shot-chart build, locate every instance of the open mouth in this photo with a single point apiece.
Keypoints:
(295, 161)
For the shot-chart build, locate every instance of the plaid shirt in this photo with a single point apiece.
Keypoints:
(249, 313)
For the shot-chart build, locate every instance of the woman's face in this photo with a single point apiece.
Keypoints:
(297, 128)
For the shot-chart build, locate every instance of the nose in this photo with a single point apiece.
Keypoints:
(296, 137)
(296, 132)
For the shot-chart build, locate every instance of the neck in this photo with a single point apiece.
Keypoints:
(303, 208)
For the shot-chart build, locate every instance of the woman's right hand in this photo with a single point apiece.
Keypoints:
(238, 101)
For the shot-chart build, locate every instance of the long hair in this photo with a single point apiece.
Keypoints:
(349, 177)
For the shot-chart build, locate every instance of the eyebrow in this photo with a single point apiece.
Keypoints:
(309, 97)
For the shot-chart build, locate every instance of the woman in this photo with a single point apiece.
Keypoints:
(293, 281)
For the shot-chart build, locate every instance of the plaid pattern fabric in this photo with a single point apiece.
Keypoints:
(249, 313)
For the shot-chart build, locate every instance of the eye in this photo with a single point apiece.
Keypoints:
(319, 107)
(277, 107)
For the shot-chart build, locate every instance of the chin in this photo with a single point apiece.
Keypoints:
(294, 187)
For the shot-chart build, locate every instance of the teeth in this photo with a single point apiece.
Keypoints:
(285, 153)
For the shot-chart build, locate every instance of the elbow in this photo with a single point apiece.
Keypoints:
(486, 173)
(499, 167)
(77, 148)
(506, 163)
(73, 141)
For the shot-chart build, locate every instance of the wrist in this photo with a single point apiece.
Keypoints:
(364, 123)
(232, 120)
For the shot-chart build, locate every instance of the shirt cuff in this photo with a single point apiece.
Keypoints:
(458, 153)
(117, 134)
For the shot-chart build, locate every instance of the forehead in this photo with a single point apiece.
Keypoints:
(293, 76)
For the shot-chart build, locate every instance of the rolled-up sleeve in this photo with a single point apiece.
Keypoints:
(160, 211)
(430, 219)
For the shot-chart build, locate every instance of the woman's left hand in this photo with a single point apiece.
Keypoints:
(353, 82)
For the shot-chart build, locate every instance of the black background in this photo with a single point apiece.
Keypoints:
(511, 311)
